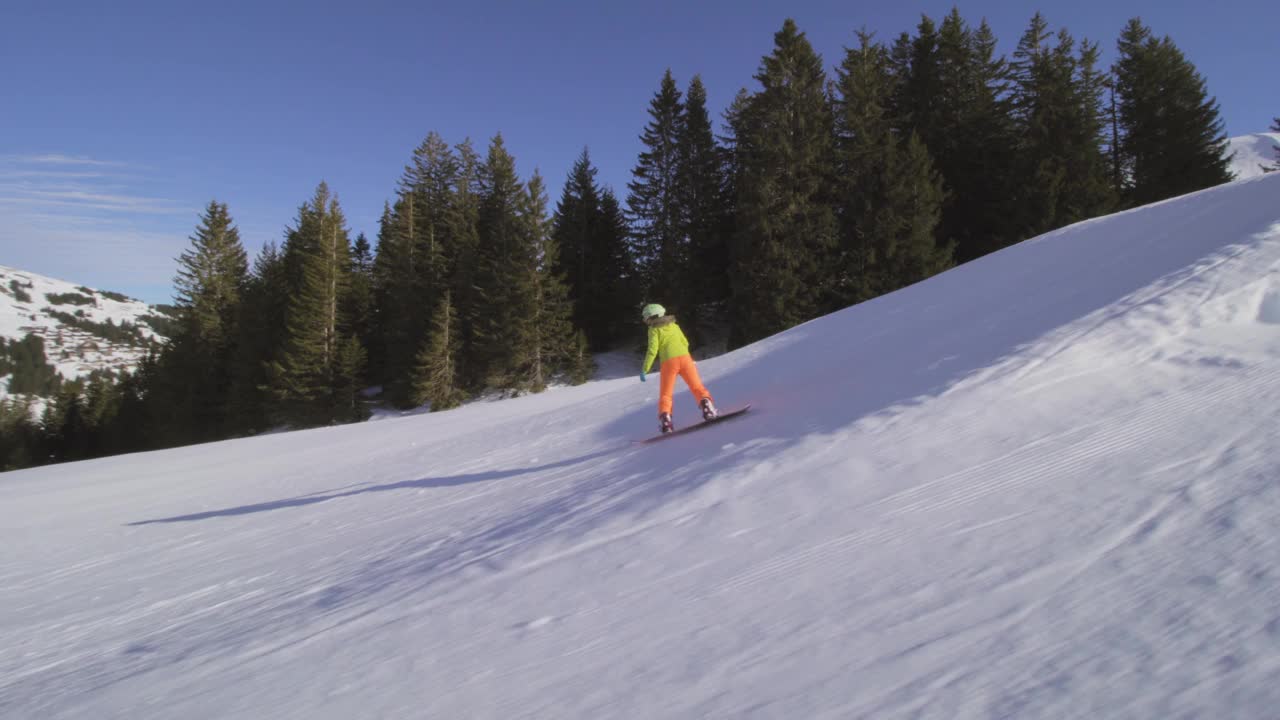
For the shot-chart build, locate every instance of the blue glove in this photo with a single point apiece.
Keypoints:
(642, 376)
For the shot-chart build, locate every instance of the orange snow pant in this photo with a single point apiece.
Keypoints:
(685, 368)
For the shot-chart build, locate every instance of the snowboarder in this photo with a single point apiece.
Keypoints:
(668, 344)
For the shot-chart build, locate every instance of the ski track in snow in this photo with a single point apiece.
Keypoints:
(1040, 485)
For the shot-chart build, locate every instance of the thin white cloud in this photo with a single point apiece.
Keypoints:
(96, 191)
(39, 218)
(94, 201)
(108, 256)
(103, 223)
(55, 174)
(60, 159)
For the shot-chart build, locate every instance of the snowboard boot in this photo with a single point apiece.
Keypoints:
(708, 410)
(664, 423)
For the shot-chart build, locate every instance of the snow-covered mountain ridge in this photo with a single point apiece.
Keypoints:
(83, 329)
(1250, 153)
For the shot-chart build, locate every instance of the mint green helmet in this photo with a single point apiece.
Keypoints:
(652, 311)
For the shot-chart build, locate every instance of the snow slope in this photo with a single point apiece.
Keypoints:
(26, 307)
(1041, 485)
(1251, 152)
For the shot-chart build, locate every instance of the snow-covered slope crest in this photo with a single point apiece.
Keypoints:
(70, 319)
(1041, 485)
(1251, 152)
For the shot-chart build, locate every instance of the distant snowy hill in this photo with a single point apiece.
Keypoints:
(1252, 152)
(83, 329)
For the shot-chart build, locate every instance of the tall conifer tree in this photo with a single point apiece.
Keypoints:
(503, 298)
(653, 201)
(436, 379)
(211, 274)
(889, 195)
(360, 299)
(1059, 114)
(705, 210)
(262, 320)
(194, 384)
(1172, 138)
(394, 290)
(384, 325)
(785, 227)
(418, 242)
(627, 283)
(547, 341)
(464, 222)
(312, 377)
(975, 150)
(593, 257)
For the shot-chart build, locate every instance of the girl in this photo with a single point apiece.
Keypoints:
(667, 343)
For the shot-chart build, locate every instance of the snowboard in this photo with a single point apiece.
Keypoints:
(696, 426)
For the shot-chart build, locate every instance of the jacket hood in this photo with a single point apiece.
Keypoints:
(659, 322)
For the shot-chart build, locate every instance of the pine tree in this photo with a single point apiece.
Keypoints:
(1058, 105)
(20, 439)
(348, 374)
(431, 180)
(576, 224)
(785, 227)
(975, 149)
(549, 340)
(101, 406)
(1091, 192)
(133, 426)
(262, 317)
(415, 240)
(918, 95)
(394, 273)
(616, 233)
(1172, 139)
(31, 372)
(735, 118)
(66, 431)
(383, 321)
(705, 210)
(503, 294)
(653, 201)
(196, 369)
(436, 377)
(211, 276)
(360, 299)
(311, 378)
(464, 228)
(593, 256)
(889, 195)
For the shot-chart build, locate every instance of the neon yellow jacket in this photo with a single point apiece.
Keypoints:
(666, 341)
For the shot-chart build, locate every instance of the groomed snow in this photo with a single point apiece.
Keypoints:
(1041, 485)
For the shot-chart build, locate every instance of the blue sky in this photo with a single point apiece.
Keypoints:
(120, 121)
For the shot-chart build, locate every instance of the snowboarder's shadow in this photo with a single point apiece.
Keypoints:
(363, 488)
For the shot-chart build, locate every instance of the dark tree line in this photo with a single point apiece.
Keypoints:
(820, 190)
